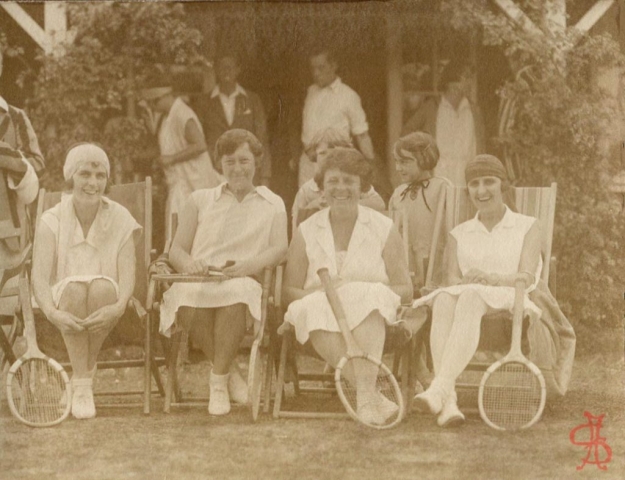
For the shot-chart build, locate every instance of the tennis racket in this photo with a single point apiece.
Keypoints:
(512, 392)
(367, 388)
(38, 389)
(255, 375)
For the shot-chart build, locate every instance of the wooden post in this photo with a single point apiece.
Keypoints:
(394, 89)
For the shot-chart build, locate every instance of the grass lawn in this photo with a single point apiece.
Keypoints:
(189, 444)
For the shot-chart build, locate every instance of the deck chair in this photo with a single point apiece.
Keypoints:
(401, 342)
(137, 198)
(15, 251)
(260, 370)
(539, 202)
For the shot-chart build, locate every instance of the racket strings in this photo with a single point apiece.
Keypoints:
(512, 396)
(38, 392)
(372, 396)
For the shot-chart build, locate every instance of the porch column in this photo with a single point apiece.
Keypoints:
(394, 90)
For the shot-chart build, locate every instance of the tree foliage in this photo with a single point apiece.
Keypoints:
(83, 95)
(567, 129)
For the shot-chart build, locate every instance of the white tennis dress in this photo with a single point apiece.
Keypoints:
(227, 230)
(497, 251)
(361, 265)
(84, 259)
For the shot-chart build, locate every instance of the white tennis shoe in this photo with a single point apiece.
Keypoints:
(83, 405)
(430, 401)
(237, 386)
(219, 401)
(450, 415)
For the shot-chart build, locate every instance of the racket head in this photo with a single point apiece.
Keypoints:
(512, 395)
(38, 391)
(255, 378)
(382, 407)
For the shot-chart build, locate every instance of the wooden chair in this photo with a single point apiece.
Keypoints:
(137, 198)
(539, 202)
(16, 248)
(257, 341)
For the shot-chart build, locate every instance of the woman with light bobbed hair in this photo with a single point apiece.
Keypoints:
(361, 248)
(84, 266)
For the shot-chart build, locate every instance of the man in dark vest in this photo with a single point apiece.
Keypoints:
(20, 164)
(231, 106)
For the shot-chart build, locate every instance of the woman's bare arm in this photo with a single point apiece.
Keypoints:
(179, 253)
(396, 266)
(296, 270)
(43, 262)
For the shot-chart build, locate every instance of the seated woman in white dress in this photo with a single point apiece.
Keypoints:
(84, 266)
(484, 258)
(236, 224)
(363, 252)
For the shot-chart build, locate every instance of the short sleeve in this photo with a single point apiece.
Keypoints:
(28, 187)
(357, 117)
(51, 221)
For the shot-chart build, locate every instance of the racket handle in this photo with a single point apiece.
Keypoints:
(27, 312)
(517, 315)
(337, 308)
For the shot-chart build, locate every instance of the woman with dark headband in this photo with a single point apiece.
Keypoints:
(485, 255)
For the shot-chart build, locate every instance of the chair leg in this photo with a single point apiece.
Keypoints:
(405, 364)
(280, 380)
(268, 380)
(172, 367)
(147, 367)
(7, 348)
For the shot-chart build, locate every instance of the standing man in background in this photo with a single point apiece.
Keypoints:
(183, 152)
(331, 104)
(231, 106)
(450, 120)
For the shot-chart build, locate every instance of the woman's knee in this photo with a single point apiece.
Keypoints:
(102, 292)
(470, 298)
(236, 313)
(443, 300)
(74, 298)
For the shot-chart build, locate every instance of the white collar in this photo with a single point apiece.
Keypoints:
(507, 221)
(464, 103)
(332, 86)
(259, 190)
(238, 90)
(3, 104)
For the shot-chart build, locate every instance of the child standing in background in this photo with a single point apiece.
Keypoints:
(416, 200)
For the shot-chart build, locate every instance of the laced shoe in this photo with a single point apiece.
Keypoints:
(386, 407)
(450, 415)
(371, 414)
(219, 401)
(430, 401)
(237, 386)
(83, 405)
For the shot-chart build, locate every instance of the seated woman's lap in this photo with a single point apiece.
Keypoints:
(369, 335)
(204, 324)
